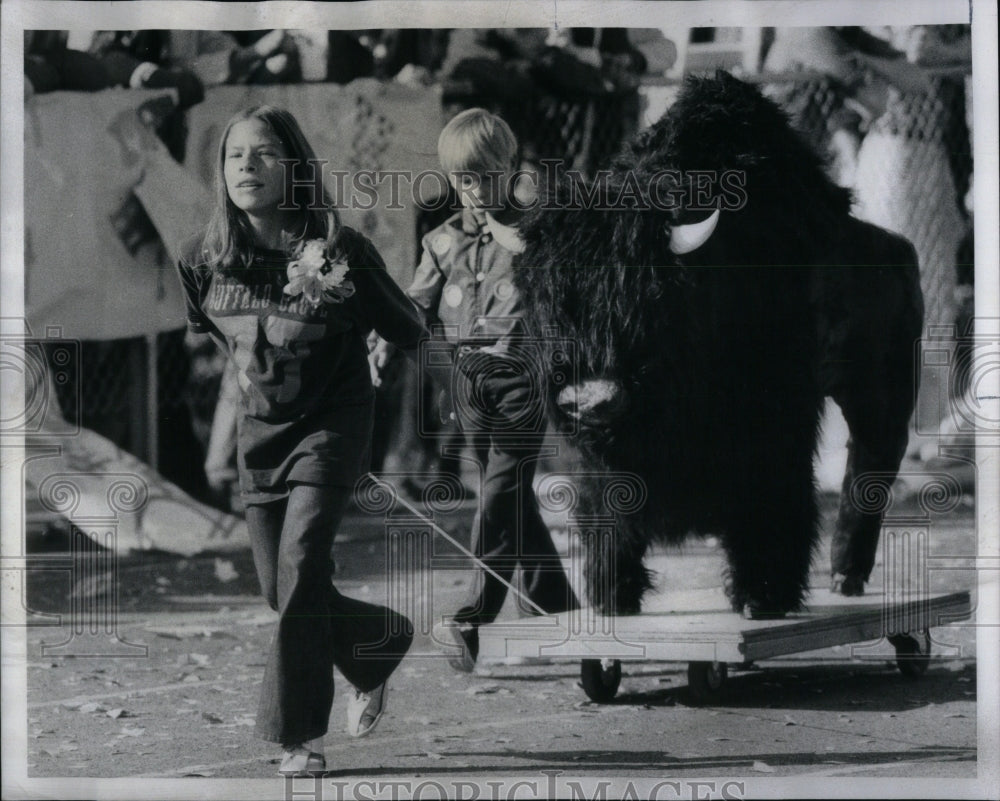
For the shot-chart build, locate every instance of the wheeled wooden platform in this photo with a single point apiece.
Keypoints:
(699, 627)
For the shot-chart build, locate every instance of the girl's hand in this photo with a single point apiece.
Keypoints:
(378, 358)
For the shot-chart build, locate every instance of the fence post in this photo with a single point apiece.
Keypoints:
(152, 425)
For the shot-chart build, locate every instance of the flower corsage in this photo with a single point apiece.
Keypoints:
(316, 277)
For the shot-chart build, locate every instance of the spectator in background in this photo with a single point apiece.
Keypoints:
(141, 59)
(187, 60)
(378, 53)
(608, 50)
(264, 57)
(90, 61)
(50, 65)
(659, 52)
(215, 57)
(410, 55)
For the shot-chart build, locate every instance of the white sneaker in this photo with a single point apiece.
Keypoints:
(365, 710)
(298, 760)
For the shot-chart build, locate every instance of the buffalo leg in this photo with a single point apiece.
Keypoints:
(615, 575)
(770, 545)
(875, 449)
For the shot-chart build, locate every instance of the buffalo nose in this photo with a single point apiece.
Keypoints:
(590, 400)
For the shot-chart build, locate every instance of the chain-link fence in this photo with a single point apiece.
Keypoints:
(115, 379)
(913, 170)
(583, 134)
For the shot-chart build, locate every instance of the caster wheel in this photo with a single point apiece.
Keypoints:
(913, 653)
(600, 678)
(706, 681)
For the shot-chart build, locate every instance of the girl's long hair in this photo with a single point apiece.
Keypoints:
(229, 237)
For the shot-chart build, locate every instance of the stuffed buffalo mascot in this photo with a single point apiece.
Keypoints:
(717, 289)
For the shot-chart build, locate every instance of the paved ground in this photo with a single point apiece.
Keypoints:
(179, 698)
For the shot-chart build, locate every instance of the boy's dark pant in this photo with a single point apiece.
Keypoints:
(508, 530)
(317, 626)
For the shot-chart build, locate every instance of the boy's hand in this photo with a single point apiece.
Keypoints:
(379, 353)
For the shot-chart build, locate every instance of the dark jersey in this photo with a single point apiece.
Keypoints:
(303, 371)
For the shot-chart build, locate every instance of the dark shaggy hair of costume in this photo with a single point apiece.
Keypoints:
(715, 125)
(715, 351)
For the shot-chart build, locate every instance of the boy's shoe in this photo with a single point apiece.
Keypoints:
(466, 636)
(300, 761)
(365, 710)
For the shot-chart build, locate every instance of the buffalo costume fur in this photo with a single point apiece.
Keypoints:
(706, 344)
